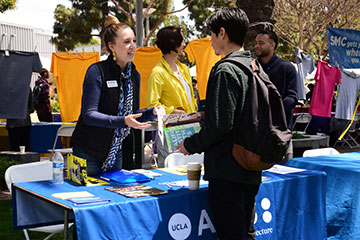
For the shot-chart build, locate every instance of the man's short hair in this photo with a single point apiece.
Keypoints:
(272, 35)
(168, 39)
(233, 20)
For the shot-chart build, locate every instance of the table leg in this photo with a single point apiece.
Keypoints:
(66, 224)
(142, 145)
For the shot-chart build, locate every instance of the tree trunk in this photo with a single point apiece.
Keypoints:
(257, 11)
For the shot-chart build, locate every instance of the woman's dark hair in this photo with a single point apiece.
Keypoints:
(168, 39)
(233, 20)
(112, 25)
(44, 73)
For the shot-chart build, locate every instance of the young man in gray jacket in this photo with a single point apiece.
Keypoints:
(232, 189)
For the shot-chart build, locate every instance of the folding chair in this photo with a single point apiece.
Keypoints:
(303, 119)
(28, 172)
(320, 152)
(177, 159)
(63, 131)
(348, 138)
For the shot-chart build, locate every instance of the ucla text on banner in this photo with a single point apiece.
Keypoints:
(344, 47)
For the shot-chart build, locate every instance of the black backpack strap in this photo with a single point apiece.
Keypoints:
(254, 64)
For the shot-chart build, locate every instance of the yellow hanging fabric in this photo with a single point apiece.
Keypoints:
(348, 127)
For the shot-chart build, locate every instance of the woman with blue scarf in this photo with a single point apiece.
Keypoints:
(110, 105)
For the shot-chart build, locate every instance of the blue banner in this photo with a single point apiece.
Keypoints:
(344, 47)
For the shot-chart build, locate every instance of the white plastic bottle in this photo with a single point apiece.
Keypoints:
(58, 168)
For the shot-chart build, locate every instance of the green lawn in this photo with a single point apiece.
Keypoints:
(7, 231)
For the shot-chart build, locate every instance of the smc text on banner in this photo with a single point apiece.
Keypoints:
(344, 47)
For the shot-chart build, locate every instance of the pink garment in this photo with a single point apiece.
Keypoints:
(326, 77)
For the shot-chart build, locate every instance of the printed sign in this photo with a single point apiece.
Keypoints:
(344, 47)
(177, 134)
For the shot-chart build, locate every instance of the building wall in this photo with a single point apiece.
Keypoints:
(29, 39)
(24, 38)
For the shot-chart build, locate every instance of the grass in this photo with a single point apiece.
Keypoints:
(7, 231)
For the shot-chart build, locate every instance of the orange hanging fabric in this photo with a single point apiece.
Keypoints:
(201, 51)
(145, 60)
(69, 70)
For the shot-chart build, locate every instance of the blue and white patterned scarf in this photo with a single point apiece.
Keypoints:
(125, 109)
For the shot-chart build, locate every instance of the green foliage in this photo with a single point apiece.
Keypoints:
(4, 164)
(55, 106)
(7, 5)
(297, 135)
(75, 26)
(93, 41)
(200, 10)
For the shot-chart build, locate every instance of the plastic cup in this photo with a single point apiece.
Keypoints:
(22, 149)
(193, 174)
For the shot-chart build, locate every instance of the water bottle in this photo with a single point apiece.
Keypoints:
(58, 168)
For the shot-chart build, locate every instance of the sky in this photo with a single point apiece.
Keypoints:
(40, 13)
(34, 13)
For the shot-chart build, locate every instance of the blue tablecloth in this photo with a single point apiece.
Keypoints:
(290, 206)
(342, 193)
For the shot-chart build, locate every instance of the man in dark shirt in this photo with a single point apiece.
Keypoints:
(232, 189)
(281, 73)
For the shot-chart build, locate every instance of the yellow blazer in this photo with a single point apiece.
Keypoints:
(165, 89)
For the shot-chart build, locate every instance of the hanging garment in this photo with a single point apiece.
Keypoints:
(347, 95)
(69, 70)
(326, 77)
(145, 60)
(15, 75)
(305, 65)
(201, 51)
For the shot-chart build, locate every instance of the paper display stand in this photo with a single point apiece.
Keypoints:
(176, 134)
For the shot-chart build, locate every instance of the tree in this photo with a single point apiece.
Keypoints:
(256, 10)
(7, 5)
(302, 23)
(78, 24)
(200, 10)
(74, 26)
(259, 13)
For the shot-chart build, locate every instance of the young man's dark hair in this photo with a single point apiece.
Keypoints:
(168, 39)
(233, 20)
(272, 35)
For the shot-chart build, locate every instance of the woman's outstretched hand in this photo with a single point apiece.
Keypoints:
(131, 121)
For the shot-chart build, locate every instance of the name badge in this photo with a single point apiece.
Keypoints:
(111, 83)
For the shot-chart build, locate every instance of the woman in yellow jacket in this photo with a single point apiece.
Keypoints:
(170, 83)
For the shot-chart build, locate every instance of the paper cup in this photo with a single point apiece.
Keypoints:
(22, 149)
(193, 174)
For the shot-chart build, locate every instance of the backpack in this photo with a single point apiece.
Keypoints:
(36, 96)
(261, 136)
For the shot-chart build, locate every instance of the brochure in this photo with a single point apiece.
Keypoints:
(147, 172)
(125, 176)
(182, 118)
(136, 191)
(66, 195)
(175, 135)
(76, 172)
(78, 201)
